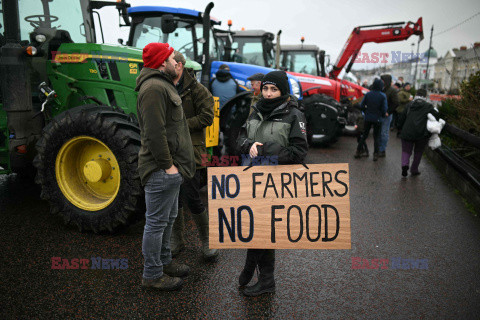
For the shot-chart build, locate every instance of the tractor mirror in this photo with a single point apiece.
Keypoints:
(168, 24)
(269, 46)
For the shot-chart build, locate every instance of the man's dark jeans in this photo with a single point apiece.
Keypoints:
(377, 126)
(161, 198)
(190, 192)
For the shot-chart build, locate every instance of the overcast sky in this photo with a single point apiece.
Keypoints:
(329, 23)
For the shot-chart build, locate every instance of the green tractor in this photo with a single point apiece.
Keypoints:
(68, 111)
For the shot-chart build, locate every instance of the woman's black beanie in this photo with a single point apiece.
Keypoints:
(279, 79)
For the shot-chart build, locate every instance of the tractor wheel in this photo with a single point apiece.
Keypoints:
(87, 168)
(322, 114)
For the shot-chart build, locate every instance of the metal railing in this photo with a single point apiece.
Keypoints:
(463, 167)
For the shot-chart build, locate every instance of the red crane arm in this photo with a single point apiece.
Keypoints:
(378, 33)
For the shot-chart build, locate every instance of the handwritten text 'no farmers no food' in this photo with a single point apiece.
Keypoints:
(280, 207)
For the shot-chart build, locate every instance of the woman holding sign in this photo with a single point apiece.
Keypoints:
(276, 131)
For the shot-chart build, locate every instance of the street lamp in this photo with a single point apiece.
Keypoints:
(411, 62)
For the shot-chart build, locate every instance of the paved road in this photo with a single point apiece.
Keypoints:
(414, 218)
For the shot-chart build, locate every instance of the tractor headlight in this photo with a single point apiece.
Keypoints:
(40, 38)
(295, 88)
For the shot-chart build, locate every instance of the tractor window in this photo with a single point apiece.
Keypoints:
(2, 38)
(212, 45)
(301, 62)
(51, 14)
(150, 31)
(1, 18)
(249, 51)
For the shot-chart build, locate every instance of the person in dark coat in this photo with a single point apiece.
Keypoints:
(165, 158)
(404, 97)
(225, 87)
(414, 133)
(197, 103)
(392, 102)
(374, 105)
(276, 128)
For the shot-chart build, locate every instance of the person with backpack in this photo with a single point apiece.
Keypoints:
(224, 86)
(414, 133)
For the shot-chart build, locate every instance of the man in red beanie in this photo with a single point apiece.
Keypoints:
(165, 159)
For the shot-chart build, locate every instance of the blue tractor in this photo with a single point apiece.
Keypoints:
(194, 34)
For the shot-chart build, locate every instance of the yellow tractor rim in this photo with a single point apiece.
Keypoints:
(87, 173)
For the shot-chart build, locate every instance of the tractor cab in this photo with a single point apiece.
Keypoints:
(253, 47)
(40, 21)
(194, 34)
(301, 59)
(185, 30)
(36, 29)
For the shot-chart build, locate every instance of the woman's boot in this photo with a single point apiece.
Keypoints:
(249, 268)
(266, 280)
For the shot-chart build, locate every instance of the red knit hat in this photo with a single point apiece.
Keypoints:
(155, 53)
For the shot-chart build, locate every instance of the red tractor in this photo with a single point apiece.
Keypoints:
(323, 93)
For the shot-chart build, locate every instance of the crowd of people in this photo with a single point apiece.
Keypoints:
(388, 107)
(174, 110)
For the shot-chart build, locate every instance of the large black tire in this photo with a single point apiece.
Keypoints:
(322, 113)
(121, 134)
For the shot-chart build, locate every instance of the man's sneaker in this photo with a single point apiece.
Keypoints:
(375, 156)
(164, 283)
(381, 154)
(415, 173)
(357, 155)
(175, 269)
(404, 171)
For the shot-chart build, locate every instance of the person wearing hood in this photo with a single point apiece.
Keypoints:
(276, 128)
(392, 102)
(224, 85)
(165, 158)
(197, 103)
(414, 132)
(374, 105)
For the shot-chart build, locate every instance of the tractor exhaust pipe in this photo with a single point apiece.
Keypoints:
(321, 58)
(206, 46)
(278, 50)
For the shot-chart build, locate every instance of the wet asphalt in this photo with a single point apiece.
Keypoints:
(420, 218)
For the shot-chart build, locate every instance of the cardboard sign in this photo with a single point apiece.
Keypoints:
(279, 207)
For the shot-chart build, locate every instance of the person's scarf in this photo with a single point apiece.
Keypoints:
(266, 106)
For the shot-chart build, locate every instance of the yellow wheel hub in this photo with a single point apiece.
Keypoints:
(87, 173)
